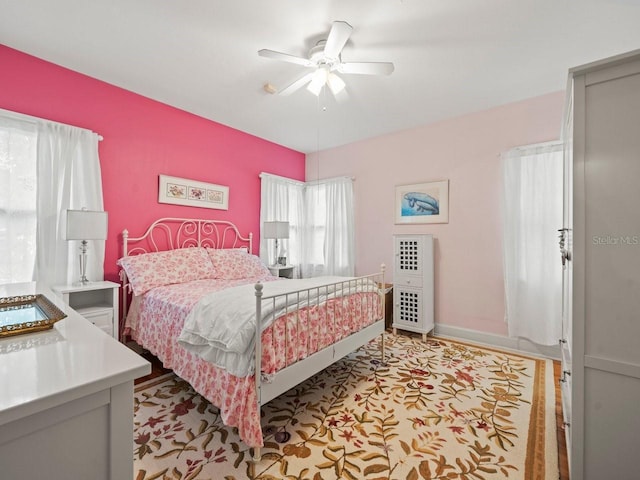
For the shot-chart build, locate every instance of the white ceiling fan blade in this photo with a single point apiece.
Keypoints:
(338, 36)
(367, 68)
(285, 57)
(297, 84)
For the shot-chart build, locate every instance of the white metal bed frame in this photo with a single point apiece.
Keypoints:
(172, 233)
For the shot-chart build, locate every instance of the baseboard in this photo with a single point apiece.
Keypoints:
(501, 341)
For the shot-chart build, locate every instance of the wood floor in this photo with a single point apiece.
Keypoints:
(157, 370)
(562, 445)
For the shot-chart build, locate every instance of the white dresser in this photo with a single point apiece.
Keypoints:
(413, 284)
(66, 400)
(601, 282)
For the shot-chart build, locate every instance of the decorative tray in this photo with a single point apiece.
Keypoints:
(27, 313)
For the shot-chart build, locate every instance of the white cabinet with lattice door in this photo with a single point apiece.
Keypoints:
(413, 284)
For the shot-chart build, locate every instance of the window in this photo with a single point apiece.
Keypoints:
(316, 221)
(321, 223)
(45, 168)
(18, 153)
(532, 214)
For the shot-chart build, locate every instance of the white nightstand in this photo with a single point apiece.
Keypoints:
(95, 301)
(285, 271)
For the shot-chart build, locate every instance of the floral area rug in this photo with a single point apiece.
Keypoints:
(437, 410)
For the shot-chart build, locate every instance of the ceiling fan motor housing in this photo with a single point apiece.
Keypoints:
(317, 55)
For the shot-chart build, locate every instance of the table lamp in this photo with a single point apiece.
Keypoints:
(85, 225)
(276, 231)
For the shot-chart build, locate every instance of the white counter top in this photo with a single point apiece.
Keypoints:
(75, 358)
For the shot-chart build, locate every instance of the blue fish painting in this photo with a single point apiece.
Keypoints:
(418, 203)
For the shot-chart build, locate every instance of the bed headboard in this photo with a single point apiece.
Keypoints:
(172, 233)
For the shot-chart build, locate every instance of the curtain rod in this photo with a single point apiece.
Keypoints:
(299, 182)
(552, 145)
(30, 118)
(284, 179)
(323, 180)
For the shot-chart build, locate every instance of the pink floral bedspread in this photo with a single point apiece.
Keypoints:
(290, 338)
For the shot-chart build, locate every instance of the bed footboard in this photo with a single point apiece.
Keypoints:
(326, 300)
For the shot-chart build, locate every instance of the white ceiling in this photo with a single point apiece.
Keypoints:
(451, 56)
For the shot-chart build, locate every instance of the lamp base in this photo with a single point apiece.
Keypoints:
(275, 254)
(83, 264)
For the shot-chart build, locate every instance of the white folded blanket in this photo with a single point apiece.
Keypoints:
(221, 327)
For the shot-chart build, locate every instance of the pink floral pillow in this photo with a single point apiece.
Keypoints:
(150, 270)
(236, 263)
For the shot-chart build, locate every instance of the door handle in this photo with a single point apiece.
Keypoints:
(565, 254)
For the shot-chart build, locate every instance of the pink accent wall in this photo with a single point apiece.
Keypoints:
(469, 290)
(142, 139)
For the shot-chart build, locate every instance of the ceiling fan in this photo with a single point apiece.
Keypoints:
(325, 60)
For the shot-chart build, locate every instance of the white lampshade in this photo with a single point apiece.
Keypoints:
(86, 225)
(275, 230)
(336, 84)
(318, 80)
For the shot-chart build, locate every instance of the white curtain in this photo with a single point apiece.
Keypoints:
(339, 246)
(281, 199)
(329, 246)
(532, 215)
(320, 215)
(69, 177)
(18, 152)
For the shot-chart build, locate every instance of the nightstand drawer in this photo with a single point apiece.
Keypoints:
(100, 317)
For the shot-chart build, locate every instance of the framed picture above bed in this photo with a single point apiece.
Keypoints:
(192, 193)
(422, 203)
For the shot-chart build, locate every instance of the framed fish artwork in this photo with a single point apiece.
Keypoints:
(422, 203)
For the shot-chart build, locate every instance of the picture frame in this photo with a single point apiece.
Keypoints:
(422, 203)
(26, 314)
(192, 193)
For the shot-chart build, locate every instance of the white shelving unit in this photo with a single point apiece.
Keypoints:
(95, 301)
(413, 284)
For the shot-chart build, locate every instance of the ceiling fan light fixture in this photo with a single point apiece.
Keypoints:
(336, 84)
(318, 81)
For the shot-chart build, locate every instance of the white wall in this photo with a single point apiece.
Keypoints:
(466, 151)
